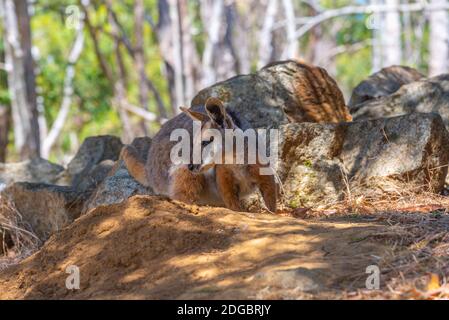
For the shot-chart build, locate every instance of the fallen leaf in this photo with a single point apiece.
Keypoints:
(434, 282)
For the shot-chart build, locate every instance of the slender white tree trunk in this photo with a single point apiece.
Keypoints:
(21, 83)
(391, 36)
(291, 49)
(213, 37)
(439, 40)
(178, 62)
(191, 59)
(266, 34)
(139, 57)
(63, 113)
(374, 23)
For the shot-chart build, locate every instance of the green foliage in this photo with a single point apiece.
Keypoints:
(93, 110)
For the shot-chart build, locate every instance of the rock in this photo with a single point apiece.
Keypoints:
(298, 279)
(142, 144)
(119, 185)
(44, 208)
(92, 152)
(269, 97)
(307, 166)
(319, 162)
(96, 175)
(35, 170)
(427, 95)
(383, 83)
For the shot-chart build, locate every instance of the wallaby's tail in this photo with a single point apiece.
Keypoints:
(135, 164)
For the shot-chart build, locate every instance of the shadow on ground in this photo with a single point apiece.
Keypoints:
(150, 248)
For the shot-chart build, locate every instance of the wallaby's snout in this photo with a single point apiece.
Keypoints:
(199, 168)
(194, 167)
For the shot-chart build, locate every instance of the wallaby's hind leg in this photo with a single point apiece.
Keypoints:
(135, 164)
(186, 186)
(227, 188)
(267, 186)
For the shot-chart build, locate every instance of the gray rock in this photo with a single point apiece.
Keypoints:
(35, 170)
(44, 208)
(383, 83)
(319, 162)
(298, 279)
(427, 95)
(92, 152)
(90, 181)
(268, 98)
(119, 185)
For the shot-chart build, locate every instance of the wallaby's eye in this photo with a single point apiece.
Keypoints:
(205, 143)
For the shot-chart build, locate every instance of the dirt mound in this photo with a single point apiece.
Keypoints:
(152, 248)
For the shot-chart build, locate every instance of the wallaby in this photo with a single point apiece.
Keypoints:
(207, 183)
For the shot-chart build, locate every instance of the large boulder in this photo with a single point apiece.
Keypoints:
(383, 83)
(92, 152)
(35, 170)
(43, 208)
(49, 198)
(427, 95)
(119, 185)
(279, 93)
(320, 163)
(94, 176)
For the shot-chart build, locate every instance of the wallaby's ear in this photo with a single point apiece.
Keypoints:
(196, 116)
(217, 112)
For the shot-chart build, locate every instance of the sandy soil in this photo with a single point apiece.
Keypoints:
(152, 248)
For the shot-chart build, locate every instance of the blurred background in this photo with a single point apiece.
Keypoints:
(72, 69)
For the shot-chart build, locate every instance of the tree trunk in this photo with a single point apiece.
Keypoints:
(139, 56)
(178, 61)
(219, 57)
(120, 85)
(4, 130)
(63, 112)
(191, 56)
(266, 45)
(439, 40)
(391, 36)
(169, 35)
(291, 49)
(238, 37)
(211, 14)
(21, 79)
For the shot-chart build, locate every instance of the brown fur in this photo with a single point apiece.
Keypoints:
(135, 164)
(231, 185)
(230, 182)
(187, 186)
(318, 100)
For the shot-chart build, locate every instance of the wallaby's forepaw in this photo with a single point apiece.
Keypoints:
(186, 186)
